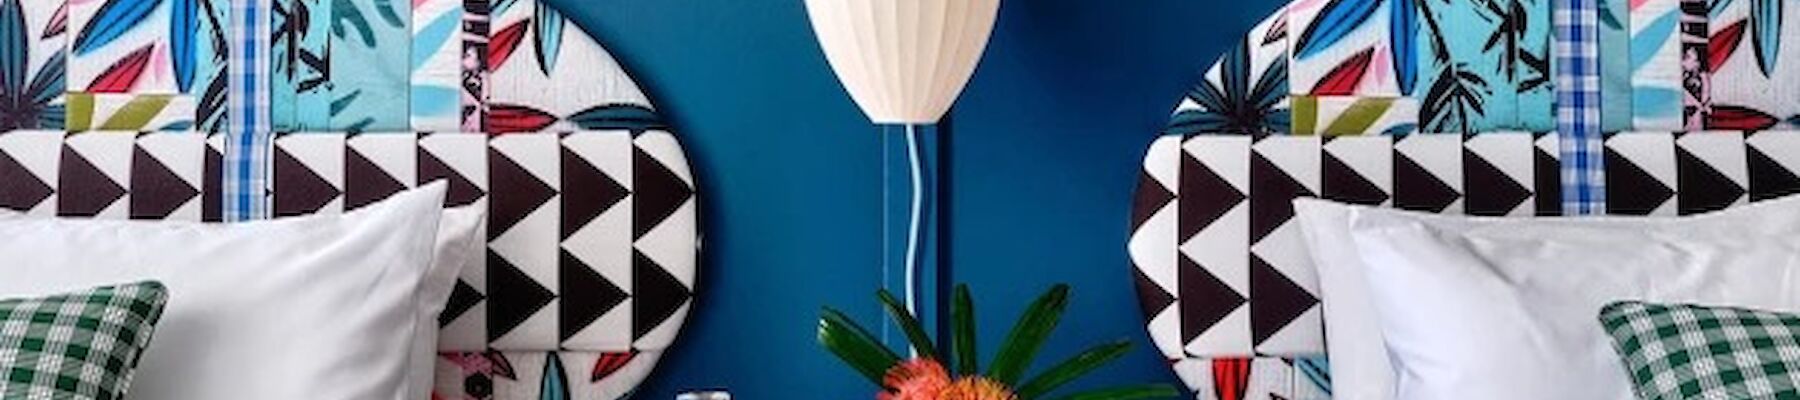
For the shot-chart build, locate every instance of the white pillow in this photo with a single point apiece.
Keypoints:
(459, 246)
(317, 307)
(1480, 308)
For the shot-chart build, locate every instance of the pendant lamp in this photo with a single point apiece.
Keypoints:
(904, 62)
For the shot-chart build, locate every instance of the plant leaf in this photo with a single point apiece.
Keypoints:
(1724, 43)
(908, 324)
(15, 48)
(120, 77)
(1645, 43)
(509, 118)
(1072, 368)
(136, 114)
(1739, 118)
(853, 344)
(1765, 32)
(1403, 39)
(114, 18)
(1344, 78)
(555, 384)
(1361, 115)
(962, 332)
(1028, 335)
(618, 116)
(59, 21)
(344, 13)
(1146, 391)
(547, 36)
(430, 38)
(501, 46)
(183, 26)
(1334, 22)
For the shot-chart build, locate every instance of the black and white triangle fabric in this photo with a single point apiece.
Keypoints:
(112, 175)
(1220, 265)
(591, 235)
(1691, 173)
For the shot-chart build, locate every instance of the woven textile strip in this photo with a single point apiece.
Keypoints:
(248, 135)
(1578, 107)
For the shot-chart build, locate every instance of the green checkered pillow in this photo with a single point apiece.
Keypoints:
(1696, 352)
(81, 345)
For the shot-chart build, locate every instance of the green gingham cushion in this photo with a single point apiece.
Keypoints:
(81, 345)
(1697, 352)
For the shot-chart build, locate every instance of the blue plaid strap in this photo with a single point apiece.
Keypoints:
(247, 136)
(1578, 107)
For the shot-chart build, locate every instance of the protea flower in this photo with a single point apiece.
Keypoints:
(977, 388)
(927, 378)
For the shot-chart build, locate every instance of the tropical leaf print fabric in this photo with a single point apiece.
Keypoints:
(1656, 64)
(540, 375)
(1755, 64)
(143, 64)
(1616, 68)
(342, 65)
(1246, 92)
(32, 71)
(1485, 65)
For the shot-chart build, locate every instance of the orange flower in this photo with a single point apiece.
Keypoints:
(977, 388)
(916, 379)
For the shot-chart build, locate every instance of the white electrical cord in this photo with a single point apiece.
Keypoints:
(918, 205)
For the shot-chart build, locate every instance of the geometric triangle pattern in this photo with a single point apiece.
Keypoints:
(592, 236)
(1654, 173)
(1220, 265)
(110, 175)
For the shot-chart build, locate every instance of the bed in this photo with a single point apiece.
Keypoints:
(1337, 100)
(121, 112)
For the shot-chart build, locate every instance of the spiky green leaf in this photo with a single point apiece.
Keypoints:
(908, 324)
(962, 332)
(1074, 367)
(853, 344)
(1028, 336)
(1147, 391)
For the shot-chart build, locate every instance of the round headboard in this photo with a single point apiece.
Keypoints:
(592, 225)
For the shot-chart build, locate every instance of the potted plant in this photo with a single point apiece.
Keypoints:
(958, 375)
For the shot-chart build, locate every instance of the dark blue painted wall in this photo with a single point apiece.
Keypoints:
(1043, 160)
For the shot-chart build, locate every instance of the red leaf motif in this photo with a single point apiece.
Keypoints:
(508, 118)
(1739, 118)
(610, 363)
(120, 77)
(1343, 79)
(1724, 43)
(504, 42)
(1231, 378)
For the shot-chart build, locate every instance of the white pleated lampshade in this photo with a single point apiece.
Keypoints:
(903, 61)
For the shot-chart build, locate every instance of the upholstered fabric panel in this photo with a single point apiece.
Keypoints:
(115, 175)
(591, 234)
(1224, 281)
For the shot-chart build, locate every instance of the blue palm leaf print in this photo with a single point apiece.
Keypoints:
(1236, 104)
(1765, 30)
(183, 26)
(1403, 35)
(548, 33)
(629, 117)
(1335, 21)
(555, 385)
(112, 21)
(14, 48)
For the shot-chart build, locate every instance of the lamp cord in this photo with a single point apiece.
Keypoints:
(918, 205)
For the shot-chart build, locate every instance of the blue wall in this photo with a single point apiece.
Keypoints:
(1043, 160)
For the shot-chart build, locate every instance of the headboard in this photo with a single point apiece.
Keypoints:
(120, 112)
(1328, 99)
